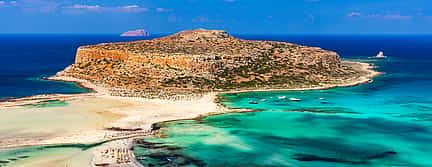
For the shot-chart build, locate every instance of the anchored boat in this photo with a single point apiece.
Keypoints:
(253, 102)
(380, 55)
(294, 99)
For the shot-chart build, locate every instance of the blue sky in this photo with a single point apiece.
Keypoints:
(235, 16)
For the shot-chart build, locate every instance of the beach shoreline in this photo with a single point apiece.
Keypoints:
(143, 113)
(365, 67)
(93, 88)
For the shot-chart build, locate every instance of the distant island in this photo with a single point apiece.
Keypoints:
(135, 33)
(201, 61)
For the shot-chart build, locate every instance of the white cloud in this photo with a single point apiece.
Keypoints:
(6, 3)
(42, 6)
(353, 14)
(129, 8)
(47, 6)
(163, 10)
(379, 16)
(90, 7)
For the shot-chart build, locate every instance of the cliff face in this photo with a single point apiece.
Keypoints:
(205, 60)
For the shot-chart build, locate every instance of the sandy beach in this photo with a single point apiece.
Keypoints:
(105, 118)
(111, 118)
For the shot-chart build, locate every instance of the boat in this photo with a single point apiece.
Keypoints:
(262, 99)
(294, 99)
(253, 102)
(281, 97)
(380, 55)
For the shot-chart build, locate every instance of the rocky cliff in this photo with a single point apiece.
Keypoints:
(205, 60)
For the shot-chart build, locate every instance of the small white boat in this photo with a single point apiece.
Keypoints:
(321, 98)
(262, 99)
(294, 99)
(281, 97)
(380, 55)
(253, 102)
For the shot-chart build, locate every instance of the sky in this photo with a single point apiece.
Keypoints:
(235, 16)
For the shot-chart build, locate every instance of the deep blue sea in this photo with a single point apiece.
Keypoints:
(26, 58)
(384, 123)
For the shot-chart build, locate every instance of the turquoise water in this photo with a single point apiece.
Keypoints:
(384, 123)
(16, 156)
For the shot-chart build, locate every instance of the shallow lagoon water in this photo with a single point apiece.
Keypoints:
(48, 120)
(73, 155)
(384, 123)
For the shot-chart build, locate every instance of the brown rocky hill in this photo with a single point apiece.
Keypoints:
(205, 60)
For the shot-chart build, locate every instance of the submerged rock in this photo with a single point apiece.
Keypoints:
(158, 154)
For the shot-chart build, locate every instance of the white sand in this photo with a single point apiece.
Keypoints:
(84, 119)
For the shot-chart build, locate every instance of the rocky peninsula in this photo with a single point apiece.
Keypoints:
(199, 61)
